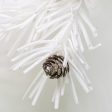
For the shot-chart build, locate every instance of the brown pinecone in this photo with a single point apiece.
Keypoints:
(53, 67)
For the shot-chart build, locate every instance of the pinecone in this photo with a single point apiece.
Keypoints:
(53, 67)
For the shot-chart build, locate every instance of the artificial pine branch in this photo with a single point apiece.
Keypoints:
(56, 29)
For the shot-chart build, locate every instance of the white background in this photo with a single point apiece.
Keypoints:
(14, 84)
